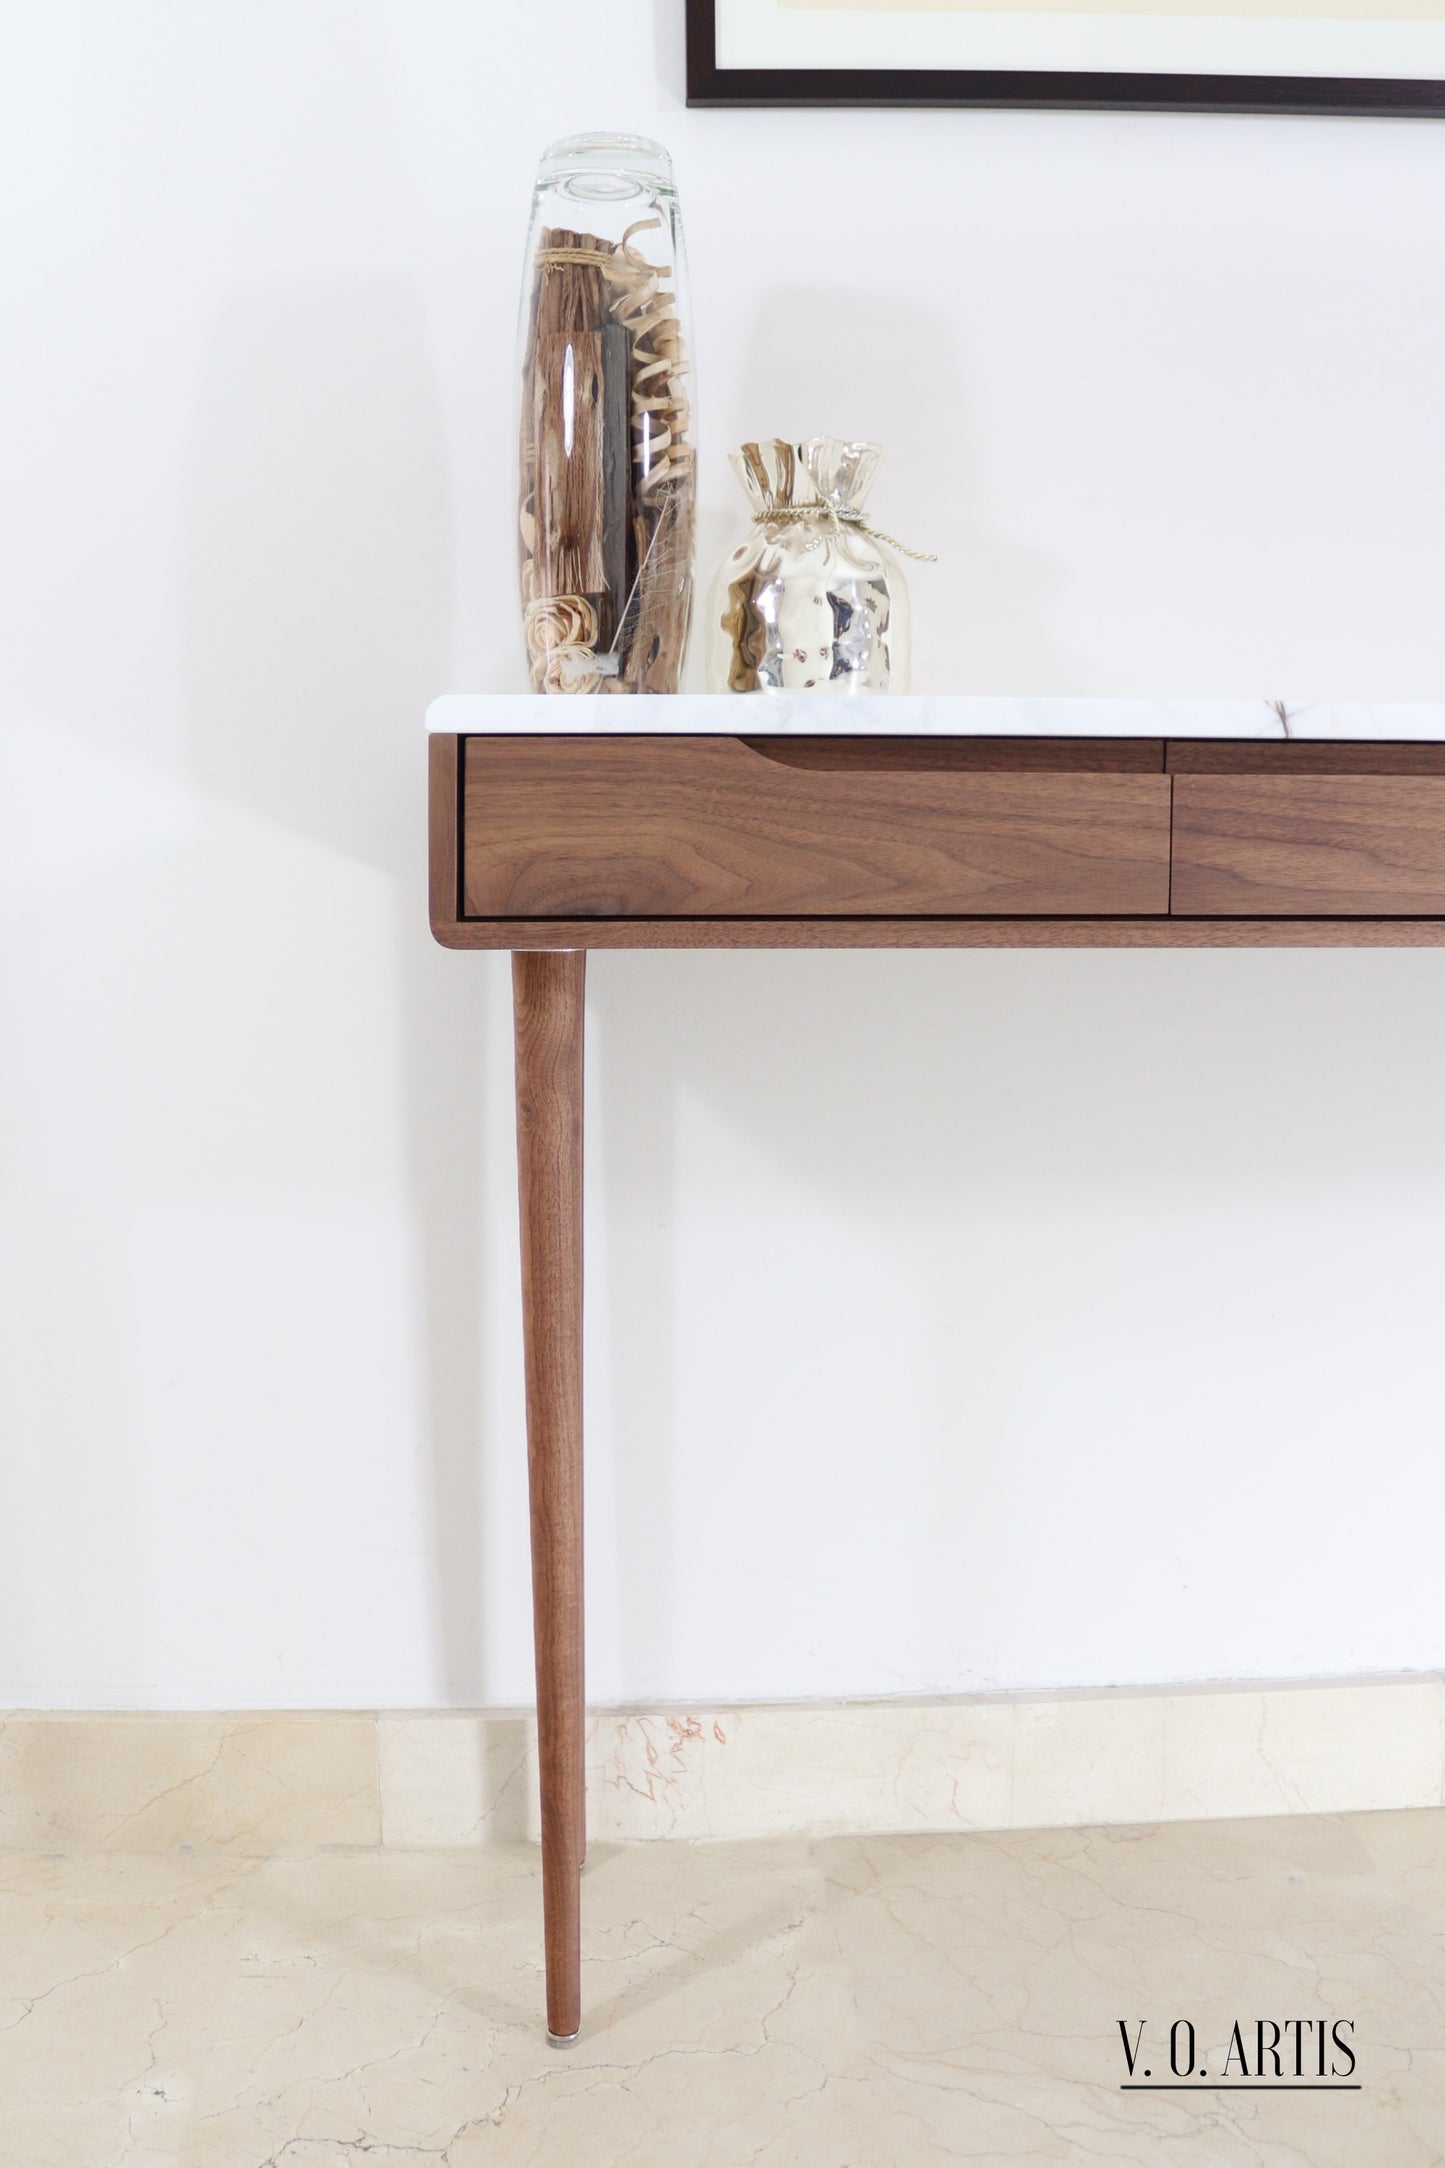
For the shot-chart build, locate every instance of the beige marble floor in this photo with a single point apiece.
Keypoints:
(868, 2002)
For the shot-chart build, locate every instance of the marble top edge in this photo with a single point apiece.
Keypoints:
(758, 715)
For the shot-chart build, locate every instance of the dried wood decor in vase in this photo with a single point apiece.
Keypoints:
(607, 477)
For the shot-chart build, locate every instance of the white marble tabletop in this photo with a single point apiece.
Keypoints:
(757, 715)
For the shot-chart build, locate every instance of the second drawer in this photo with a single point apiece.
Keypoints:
(1339, 846)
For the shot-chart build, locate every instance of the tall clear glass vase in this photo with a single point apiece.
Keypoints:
(607, 470)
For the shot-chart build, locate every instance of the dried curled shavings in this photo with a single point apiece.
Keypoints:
(553, 621)
(660, 413)
(571, 669)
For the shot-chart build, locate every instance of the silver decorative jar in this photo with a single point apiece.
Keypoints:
(813, 600)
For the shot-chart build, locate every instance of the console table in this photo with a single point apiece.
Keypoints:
(562, 825)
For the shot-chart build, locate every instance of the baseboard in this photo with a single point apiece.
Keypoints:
(267, 1783)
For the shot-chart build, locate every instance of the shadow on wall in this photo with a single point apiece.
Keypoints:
(1043, 1148)
(937, 1078)
(669, 48)
(319, 582)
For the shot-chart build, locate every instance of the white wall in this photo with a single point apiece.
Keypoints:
(956, 1320)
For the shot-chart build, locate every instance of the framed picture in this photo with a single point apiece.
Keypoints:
(1226, 56)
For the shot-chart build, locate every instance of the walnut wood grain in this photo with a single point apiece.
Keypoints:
(548, 1016)
(481, 935)
(1224, 756)
(612, 827)
(443, 833)
(1004, 756)
(1306, 845)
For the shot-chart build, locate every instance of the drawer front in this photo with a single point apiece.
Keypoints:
(1359, 846)
(637, 827)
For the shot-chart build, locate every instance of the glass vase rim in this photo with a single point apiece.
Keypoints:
(599, 144)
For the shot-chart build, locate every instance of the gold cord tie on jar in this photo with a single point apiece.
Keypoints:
(842, 516)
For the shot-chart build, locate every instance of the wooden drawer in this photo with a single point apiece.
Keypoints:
(652, 827)
(1309, 846)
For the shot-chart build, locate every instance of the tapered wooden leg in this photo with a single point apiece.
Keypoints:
(547, 992)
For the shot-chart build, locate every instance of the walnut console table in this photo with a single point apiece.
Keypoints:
(559, 826)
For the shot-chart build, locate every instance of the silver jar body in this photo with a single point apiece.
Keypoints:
(812, 600)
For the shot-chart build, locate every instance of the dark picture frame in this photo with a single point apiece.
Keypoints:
(710, 85)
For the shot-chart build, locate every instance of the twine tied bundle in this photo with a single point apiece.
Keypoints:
(647, 313)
